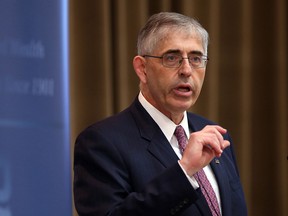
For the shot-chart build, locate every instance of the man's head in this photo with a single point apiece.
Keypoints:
(168, 80)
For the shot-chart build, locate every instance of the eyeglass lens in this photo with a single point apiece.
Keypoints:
(175, 60)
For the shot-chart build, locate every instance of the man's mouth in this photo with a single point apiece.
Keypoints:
(184, 89)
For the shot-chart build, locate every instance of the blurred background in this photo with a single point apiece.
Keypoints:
(35, 159)
(245, 88)
(65, 64)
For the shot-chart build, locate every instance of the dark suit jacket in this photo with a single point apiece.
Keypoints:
(125, 166)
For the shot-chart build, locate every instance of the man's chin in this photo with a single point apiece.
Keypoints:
(182, 107)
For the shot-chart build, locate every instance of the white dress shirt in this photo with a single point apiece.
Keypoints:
(168, 127)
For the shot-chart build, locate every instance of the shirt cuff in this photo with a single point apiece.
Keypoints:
(192, 180)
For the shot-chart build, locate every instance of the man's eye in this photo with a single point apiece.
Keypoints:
(195, 59)
(171, 57)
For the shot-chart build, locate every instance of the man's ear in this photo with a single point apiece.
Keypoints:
(139, 64)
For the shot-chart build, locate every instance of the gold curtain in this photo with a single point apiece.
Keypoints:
(245, 88)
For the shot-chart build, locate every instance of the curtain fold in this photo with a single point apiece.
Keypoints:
(245, 88)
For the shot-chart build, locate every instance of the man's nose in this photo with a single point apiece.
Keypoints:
(185, 68)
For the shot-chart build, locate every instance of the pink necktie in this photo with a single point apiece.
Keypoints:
(200, 176)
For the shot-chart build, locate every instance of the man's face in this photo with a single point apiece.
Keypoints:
(174, 90)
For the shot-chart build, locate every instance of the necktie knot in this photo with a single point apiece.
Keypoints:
(181, 138)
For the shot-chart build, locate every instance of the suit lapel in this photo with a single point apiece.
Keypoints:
(158, 145)
(161, 149)
(223, 182)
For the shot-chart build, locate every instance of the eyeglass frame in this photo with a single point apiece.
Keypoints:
(204, 58)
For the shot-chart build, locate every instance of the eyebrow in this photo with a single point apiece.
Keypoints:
(172, 51)
(196, 52)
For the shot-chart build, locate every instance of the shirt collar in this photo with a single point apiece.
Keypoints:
(166, 125)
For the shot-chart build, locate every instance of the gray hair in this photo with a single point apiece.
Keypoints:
(159, 25)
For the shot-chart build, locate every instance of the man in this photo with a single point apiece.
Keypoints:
(133, 163)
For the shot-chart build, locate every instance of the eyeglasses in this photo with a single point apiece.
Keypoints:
(174, 60)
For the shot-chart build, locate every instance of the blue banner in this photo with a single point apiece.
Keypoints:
(35, 171)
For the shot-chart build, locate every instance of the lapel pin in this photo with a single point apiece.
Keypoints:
(217, 161)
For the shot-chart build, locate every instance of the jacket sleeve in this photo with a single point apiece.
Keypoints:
(102, 183)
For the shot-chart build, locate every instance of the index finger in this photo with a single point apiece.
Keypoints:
(220, 129)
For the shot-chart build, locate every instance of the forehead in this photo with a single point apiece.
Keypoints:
(179, 40)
